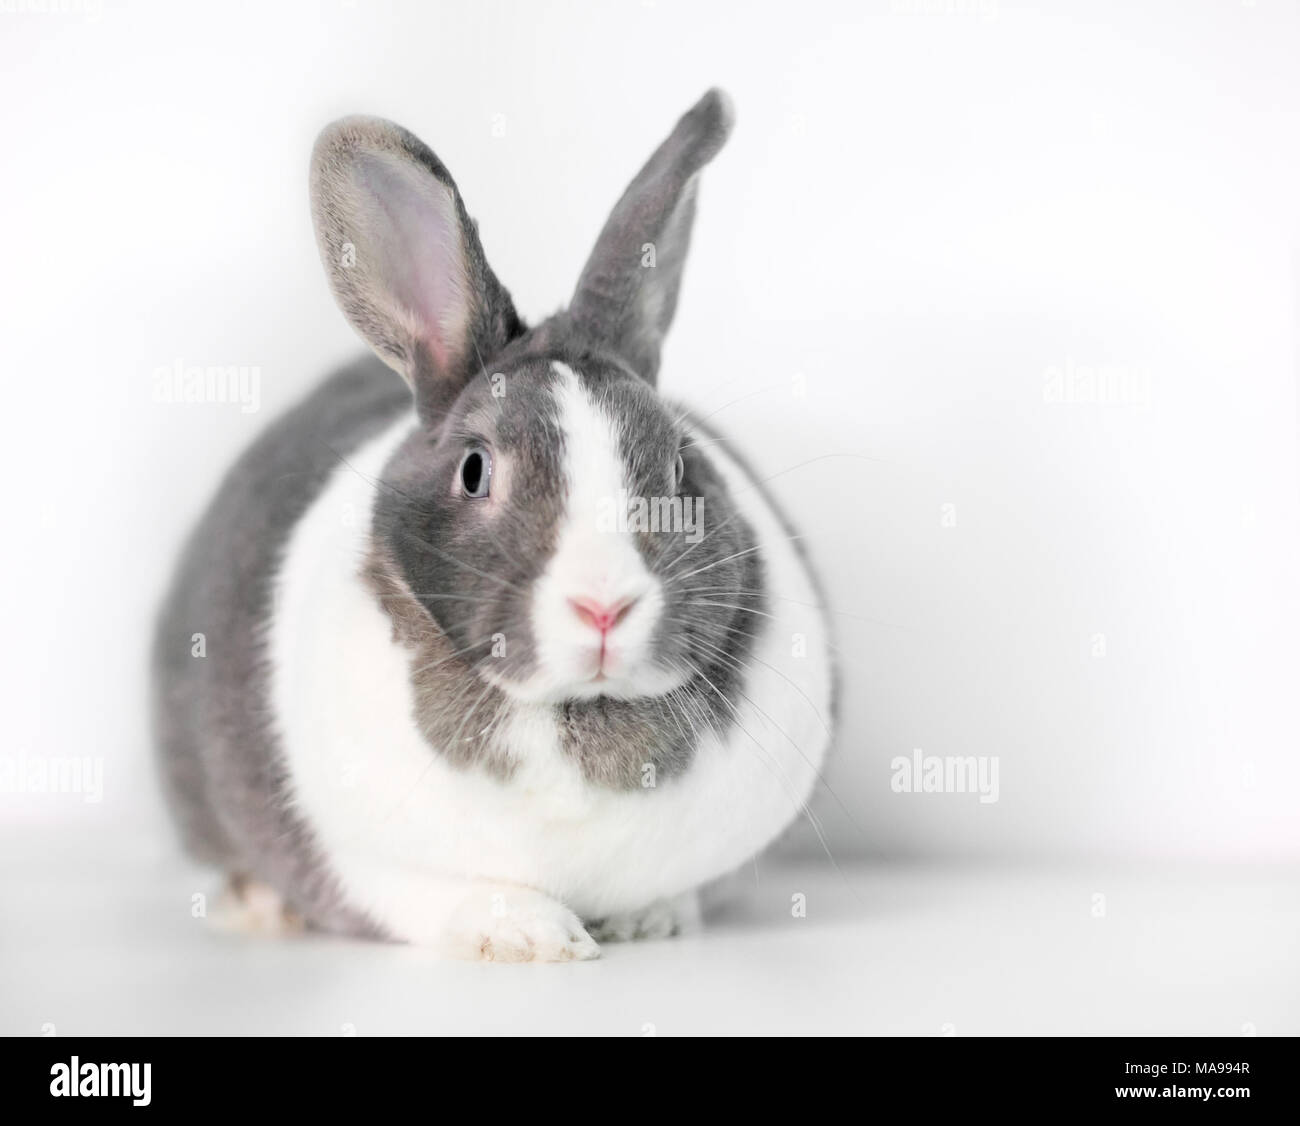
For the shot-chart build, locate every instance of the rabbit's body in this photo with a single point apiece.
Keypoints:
(402, 722)
(215, 726)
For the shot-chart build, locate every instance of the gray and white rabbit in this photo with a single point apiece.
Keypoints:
(455, 690)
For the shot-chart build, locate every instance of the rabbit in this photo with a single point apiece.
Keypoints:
(426, 673)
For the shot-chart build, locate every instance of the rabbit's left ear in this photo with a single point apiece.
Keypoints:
(627, 294)
(404, 259)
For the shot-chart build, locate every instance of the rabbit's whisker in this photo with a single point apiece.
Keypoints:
(784, 778)
(722, 653)
(730, 606)
(459, 562)
(821, 778)
(780, 473)
(436, 597)
(716, 563)
(451, 657)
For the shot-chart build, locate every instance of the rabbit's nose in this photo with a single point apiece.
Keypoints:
(599, 615)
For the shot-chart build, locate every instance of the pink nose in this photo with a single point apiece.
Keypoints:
(599, 615)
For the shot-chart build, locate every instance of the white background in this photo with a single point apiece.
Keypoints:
(925, 208)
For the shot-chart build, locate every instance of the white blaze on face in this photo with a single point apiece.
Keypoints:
(596, 560)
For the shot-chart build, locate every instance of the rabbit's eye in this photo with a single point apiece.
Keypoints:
(679, 471)
(476, 472)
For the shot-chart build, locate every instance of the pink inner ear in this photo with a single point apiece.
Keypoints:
(416, 265)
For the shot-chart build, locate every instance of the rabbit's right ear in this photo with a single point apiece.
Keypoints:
(404, 260)
(627, 293)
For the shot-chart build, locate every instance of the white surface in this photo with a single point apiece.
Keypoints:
(921, 213)
(900, 949)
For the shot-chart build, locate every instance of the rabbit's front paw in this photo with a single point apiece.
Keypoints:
(662, 919)
(510, 924)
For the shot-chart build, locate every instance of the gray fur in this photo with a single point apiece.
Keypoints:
(364, 240)
(472, 577)
(449, 579)
(621, 301)
(467, 733)
(221, 767)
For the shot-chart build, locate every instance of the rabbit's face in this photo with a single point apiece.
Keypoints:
(560, 523)
(570, 535)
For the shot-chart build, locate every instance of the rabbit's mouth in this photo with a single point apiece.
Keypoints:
(613, 676)
(588, 681)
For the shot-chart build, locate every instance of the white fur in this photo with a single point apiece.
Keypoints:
(487, 868)
(596, 561)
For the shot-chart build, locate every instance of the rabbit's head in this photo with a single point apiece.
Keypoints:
(570, 532)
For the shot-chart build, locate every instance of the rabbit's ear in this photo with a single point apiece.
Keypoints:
(628, 290)
(404, 259)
